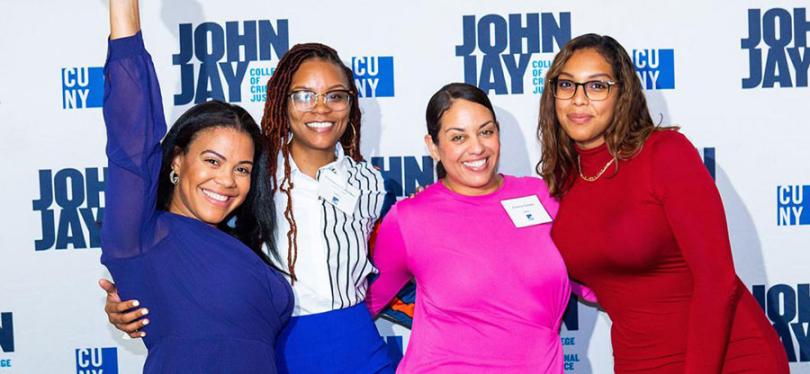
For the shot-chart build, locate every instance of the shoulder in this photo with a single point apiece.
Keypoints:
(431, 198)
(674, 162)
(363, 170)
(365, 165)
(667, 141)
(528, 183)
(430, 195)
(393, 214)
(666, 148)
(531, 185)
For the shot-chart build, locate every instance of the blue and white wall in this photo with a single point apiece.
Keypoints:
(733, 75)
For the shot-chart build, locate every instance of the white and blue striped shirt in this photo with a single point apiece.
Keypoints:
(332, 263)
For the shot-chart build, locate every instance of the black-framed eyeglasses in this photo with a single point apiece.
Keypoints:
(565, 89)
(336, 100)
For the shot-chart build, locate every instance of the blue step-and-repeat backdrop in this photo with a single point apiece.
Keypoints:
(733, 75)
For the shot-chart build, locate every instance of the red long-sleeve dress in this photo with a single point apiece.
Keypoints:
(651, 241)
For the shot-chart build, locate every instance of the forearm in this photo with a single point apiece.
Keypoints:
(124, 18)
(710, 317)
(382, 291)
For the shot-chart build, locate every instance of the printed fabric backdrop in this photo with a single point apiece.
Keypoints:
(733, 75)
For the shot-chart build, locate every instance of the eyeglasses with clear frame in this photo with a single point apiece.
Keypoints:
(565, 89)
(336, 100)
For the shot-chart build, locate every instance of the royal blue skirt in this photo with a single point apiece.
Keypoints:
(338, 341)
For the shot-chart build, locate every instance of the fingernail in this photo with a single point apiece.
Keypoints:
(144, 311)
(143, 334)
(145, 322)
(135, 303)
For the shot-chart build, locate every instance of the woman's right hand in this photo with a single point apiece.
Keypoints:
(122, 314)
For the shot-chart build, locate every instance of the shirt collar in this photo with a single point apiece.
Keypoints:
(339, 164)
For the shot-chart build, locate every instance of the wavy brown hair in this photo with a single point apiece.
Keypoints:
(276, 127)
(630, 127)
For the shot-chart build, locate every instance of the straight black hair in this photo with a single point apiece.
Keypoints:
(253, 222)
(441, 101)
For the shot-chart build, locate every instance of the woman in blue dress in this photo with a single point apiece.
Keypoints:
(217, 306)
(327, 200)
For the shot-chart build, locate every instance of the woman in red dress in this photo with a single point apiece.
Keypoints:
(641, 223)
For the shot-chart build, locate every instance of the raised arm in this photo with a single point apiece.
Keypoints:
(390, 259)
(695, 213)
(133, 114)
(125, 19)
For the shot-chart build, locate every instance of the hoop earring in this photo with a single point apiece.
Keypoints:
(173, 177)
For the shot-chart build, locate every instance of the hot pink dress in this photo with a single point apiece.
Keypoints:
(490, 296)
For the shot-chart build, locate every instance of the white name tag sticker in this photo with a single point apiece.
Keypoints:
(336, 191)
(526, 211)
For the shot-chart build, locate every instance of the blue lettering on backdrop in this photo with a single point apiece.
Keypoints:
(569, 359)
(791, 207)
(788, 309)
(709, 161)
(539, 68)
(506, 47)
(571, 323)
(403, 174)
(97, 361)
(258, 83)
(224, 55)
(571, 315)
(785, 39)
(70, 208)
(7, 332)
(374, 76)
(82, 87)
(655, 68)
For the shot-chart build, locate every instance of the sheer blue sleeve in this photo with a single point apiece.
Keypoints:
(133, 115)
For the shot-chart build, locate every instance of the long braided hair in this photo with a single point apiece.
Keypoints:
(276, 127)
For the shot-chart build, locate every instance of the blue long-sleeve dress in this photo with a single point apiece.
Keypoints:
(215, 307)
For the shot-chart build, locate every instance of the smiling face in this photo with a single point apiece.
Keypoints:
(320, 128)
(468, 146)
(585, 120)
(214, 175)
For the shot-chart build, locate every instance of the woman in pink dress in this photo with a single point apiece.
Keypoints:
(491, 285)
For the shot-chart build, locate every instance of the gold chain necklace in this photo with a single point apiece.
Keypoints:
(594, 178)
